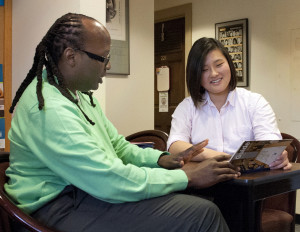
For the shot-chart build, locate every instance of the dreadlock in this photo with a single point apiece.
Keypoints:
(67, 31)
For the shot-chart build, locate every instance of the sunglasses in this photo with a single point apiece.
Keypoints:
(102, 59)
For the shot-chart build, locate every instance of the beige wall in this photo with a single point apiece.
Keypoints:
(130, 99)
(274, 47)
(30, 21)
(272, 26)
(127, 100)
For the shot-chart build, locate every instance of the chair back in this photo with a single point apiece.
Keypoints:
(279, 211)
(158, 137)
(293, 149)
(10, 214)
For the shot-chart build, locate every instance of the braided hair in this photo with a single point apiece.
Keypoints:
(67, 31)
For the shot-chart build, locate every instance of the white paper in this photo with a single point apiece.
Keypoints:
(163, 78)
(268, 155)
(163, 102)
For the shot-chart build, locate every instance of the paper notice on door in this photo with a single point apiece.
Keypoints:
(163, 101)
(163, 78)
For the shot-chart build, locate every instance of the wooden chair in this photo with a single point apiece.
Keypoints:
(10, 215)
(278, 212)
(159, 138)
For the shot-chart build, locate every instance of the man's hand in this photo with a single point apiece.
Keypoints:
(210, 172)
(178, 160)
(281, 162)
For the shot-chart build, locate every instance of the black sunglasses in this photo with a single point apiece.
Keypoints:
(102, 59)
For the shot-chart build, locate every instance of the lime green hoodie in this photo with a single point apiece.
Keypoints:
(56, 146)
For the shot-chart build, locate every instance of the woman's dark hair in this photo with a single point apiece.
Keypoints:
(195, 64)
(67, 31)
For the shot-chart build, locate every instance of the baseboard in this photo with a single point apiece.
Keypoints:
(297, 219)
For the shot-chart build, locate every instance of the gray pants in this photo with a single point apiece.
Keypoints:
(74, 210)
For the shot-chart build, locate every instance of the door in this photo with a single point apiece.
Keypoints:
(169, 52)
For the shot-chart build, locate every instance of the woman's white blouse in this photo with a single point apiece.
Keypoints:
(244, 116)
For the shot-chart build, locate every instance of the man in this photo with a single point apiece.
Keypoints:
(71, 170)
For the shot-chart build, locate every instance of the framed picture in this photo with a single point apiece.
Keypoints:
(117, 23)
(234, 36)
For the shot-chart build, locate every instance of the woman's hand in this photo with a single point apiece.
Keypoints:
(207, 154)
(281, 162)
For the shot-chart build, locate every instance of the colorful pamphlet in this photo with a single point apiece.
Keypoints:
(258, 155)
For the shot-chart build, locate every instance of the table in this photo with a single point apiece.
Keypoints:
(240, 199)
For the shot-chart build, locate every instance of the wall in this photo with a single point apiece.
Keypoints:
(32, 19)
(274, 45)
(130, 99)
(273, 25)
(117, 93)
(270, 31)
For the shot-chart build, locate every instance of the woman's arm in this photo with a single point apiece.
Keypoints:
(207, 153)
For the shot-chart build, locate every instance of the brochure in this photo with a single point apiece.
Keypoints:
(257, 155)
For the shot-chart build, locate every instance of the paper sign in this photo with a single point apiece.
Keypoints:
(163, 102)
(163, 78)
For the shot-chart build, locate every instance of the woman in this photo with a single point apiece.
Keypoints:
(219, 111)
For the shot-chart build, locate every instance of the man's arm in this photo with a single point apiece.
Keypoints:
(201, 174)
(210, 172)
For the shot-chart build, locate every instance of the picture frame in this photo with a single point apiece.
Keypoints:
(117, 23)
(234, 36)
